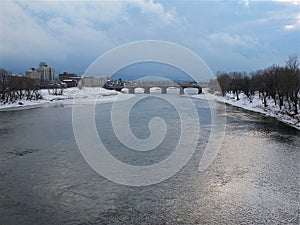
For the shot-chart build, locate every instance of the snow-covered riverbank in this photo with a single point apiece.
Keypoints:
(68, 96)
(256, 105)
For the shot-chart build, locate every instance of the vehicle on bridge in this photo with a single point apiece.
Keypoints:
(117, 85)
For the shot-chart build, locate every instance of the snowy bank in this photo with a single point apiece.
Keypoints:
(67, 98)
(256, 105)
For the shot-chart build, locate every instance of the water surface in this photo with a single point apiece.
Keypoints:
(45, 180)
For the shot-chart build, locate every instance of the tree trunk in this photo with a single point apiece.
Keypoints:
(237, 96)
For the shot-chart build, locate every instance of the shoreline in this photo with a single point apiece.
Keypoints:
(69, 95)
(257, 107)
(22, 107)
(278, 119)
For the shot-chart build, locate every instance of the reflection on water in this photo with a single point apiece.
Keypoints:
(44, 179)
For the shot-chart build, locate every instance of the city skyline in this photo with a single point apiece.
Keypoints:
(228, 36)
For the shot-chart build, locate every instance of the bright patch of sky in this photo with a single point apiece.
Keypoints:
(240, 35)
(151, 71)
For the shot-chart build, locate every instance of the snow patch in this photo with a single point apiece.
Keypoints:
(256, 105)
(68, 94)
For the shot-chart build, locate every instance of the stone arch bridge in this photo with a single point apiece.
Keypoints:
(131, 86)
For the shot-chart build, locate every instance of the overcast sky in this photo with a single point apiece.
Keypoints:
(70, 35)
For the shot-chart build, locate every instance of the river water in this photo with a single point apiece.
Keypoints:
(44, 179)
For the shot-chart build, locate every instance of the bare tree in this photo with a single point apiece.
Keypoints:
(236, 83)
(3, 83)
(224, 81)
(293, 81)
(280, 83)
(13, 88)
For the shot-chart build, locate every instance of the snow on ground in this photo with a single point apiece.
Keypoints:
(69, 94)
(256, 106)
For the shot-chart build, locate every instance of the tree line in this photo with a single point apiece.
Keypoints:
(279, 83)
(14, 88)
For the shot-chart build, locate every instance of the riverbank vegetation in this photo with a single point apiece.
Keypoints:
(278, 84)
(14, 88)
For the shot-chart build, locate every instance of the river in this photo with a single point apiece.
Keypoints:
(44, 179)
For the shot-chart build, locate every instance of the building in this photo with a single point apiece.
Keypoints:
(93, 82)
(71, 79)
(43, 74)
(66, 76)
(33, 74)
(47, 73)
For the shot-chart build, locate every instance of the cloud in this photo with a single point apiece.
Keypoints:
(278, 18)
(232, 40)
(21, 34)
(71, 34)
(294, 2)
(294, 25)
(58, 31)
(293, 18)
(96, 11)
(245, 3)
(234, 52)
(152, 8)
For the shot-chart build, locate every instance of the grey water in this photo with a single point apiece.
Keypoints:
(45, 180)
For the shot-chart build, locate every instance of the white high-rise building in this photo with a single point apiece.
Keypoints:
(44, 73)
(47, 73)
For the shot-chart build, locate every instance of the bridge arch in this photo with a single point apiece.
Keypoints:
(173, 89)
(139, 90)
(154, 90)
(193, 90)
(125, 90)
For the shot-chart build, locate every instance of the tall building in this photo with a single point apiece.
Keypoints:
(47, 72)
(43, 74)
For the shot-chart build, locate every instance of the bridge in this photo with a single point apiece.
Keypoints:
(131, 86)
